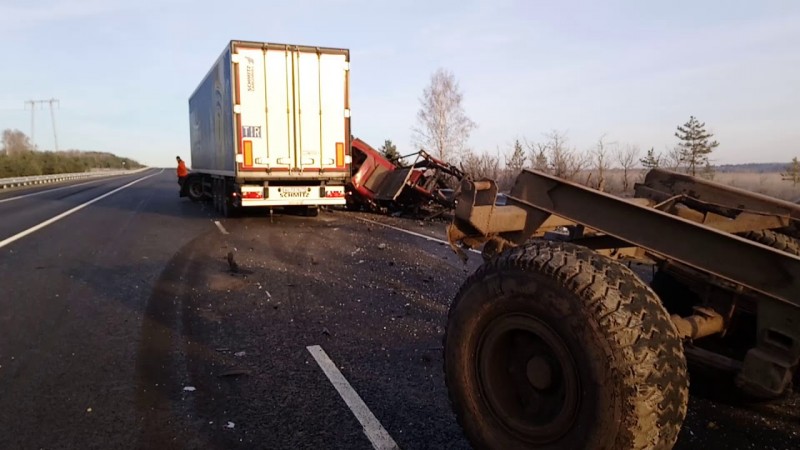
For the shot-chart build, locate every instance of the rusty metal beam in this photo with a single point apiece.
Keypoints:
(672, 183)
(704, 322)
(765, 270)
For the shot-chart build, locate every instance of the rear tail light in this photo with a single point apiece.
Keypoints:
(252, 194)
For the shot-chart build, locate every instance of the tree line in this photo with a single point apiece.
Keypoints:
(18, 158)
(443, 128)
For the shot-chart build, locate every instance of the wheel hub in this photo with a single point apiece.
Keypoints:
(528, 378)
(539, 372)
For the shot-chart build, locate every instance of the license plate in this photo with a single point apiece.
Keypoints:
(294, 189)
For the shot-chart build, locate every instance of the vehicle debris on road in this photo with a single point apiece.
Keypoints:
(380, 185)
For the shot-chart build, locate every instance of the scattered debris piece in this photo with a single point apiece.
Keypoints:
(230, 425)
(234, 267)
(234, 373)
(381, 246)
(240, 354)
(88, 410)
(326, 332)
(189, 388)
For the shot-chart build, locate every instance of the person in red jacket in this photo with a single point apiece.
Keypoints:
(183, 172)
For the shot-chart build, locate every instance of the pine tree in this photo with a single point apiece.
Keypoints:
(516, 161)
(792, 172)
(695, 144)
(389, 151)
(652, 160)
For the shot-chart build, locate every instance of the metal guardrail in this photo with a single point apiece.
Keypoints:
(44, 179)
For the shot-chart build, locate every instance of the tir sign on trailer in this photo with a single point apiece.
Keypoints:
(292, 108)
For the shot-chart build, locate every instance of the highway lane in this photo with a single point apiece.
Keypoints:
(72, 298)
(23, 209)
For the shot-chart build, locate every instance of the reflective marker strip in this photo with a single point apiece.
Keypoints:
(340, 154)
(248, 153)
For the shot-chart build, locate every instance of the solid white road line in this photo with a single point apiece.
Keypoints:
(221, 228)
(375, 432)
(52, 220)
(412, 233)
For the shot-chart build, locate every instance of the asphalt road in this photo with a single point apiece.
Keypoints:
(137, 322)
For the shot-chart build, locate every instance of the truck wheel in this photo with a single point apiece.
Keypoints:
(195, 188)
(311, 211)
(773, 239)
(552, 346)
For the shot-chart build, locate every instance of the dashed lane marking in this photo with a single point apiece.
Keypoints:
(55, 219)
(375, 432)
(221, 228)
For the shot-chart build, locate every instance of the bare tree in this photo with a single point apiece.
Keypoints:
(481, 166)
(627, 158)
(600, 159)
(672, 160)
(562, 161)
(15, 141)
(538, 156)
(442, 125)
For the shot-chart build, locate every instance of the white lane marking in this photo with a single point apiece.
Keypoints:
(412, 233)
(52, 220)
(11, 199)
(221, 228)
(375, 432)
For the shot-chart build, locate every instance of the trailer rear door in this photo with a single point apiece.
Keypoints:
(293, 108)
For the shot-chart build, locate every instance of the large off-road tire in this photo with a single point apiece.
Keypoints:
(774, 239)
(553, 346)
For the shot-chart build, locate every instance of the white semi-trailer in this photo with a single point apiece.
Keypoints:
(270, 126)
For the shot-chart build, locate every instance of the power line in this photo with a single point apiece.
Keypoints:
(51, 102)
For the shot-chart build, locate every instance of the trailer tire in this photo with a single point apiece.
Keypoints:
(194, 188)
(775, 240)
(575, 337)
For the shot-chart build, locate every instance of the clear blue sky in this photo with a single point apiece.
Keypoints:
(632, 70)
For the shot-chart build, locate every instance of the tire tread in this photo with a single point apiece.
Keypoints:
(646, 347)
